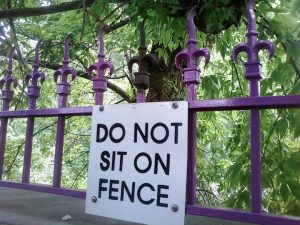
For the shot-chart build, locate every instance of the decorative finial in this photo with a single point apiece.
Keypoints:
(191, 25)
(65, 70)
(191, 73)
(101, 54)
(9, 79)
(144, 61)
(36, 74)
(99, 81)
(63, 87)
(252, 46)
(33, 88)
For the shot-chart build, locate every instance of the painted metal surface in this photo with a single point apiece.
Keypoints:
(33, 93)
(253, 74)
(191, 78)
(144, 62)
(243, 216)
(99, 81)
(63, 89)
(6, 85)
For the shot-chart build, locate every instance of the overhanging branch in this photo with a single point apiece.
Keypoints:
(38, 11)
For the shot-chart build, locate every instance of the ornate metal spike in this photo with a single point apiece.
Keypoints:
(252, 46)
(36, 74)
(102, 65)
(131, 62)
(99, 81)
(191, 73)
(67, 41)
(33, 88)
(65, 70)
(63, 87)
(191, 25)
(9, 79)
(144, 62)
(7, 82)
(191, 55)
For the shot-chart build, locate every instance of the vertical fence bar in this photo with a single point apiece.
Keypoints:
(99, 81)
(144, 61)
(63, 89)
(7, 95)
(191, 78)
(252, 73)
(33, 94)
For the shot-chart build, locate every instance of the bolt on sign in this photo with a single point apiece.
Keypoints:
(137, 162)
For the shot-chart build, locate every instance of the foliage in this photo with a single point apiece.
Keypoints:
(223, 157)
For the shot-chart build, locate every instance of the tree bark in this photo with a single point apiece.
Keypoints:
(38, 11)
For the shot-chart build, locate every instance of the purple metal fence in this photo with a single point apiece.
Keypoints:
(191, 78)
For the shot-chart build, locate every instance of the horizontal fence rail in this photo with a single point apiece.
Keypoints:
(247, 103)
(266, 102)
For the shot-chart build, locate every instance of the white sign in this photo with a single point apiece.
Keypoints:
(137, 163)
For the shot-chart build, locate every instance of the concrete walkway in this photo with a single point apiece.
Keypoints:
(19, 207)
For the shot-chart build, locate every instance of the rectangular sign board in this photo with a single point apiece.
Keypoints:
(137, 162)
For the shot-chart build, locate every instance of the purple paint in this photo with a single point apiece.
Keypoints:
(243, 216)
(265, 102)
(99, 81)
(7, 95)
(191, 78)
(45, 189)
(191, 73)
(252, 73)
(7, 82)
(75, 111)
(144, 61)
(33, 93)
(63, 89)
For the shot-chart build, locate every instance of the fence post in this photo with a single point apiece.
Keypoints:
(252, 73)
(63, 89)
(33, 93)
(191, 78)
(99, 81)
(7, 95)
(144, 61)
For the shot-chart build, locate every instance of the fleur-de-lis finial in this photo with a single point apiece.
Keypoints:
(32, 79)
(99, 81)
(191, 73)
(65, 70)
(252, 46)
(9, 79)
(7, 82)
(63, 87)
(144, 62)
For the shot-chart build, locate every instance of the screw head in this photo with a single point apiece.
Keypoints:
(175, 105)
(174, 207)
(101, 108)
(94, 199)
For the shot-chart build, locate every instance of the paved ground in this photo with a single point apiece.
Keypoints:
(19, 207)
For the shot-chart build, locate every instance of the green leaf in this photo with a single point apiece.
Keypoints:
(284, 192)
(277, 76)
(296, 89)
(282, 126)
(295, 189)
(297, 131)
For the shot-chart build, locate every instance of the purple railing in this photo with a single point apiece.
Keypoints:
(191, 78)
